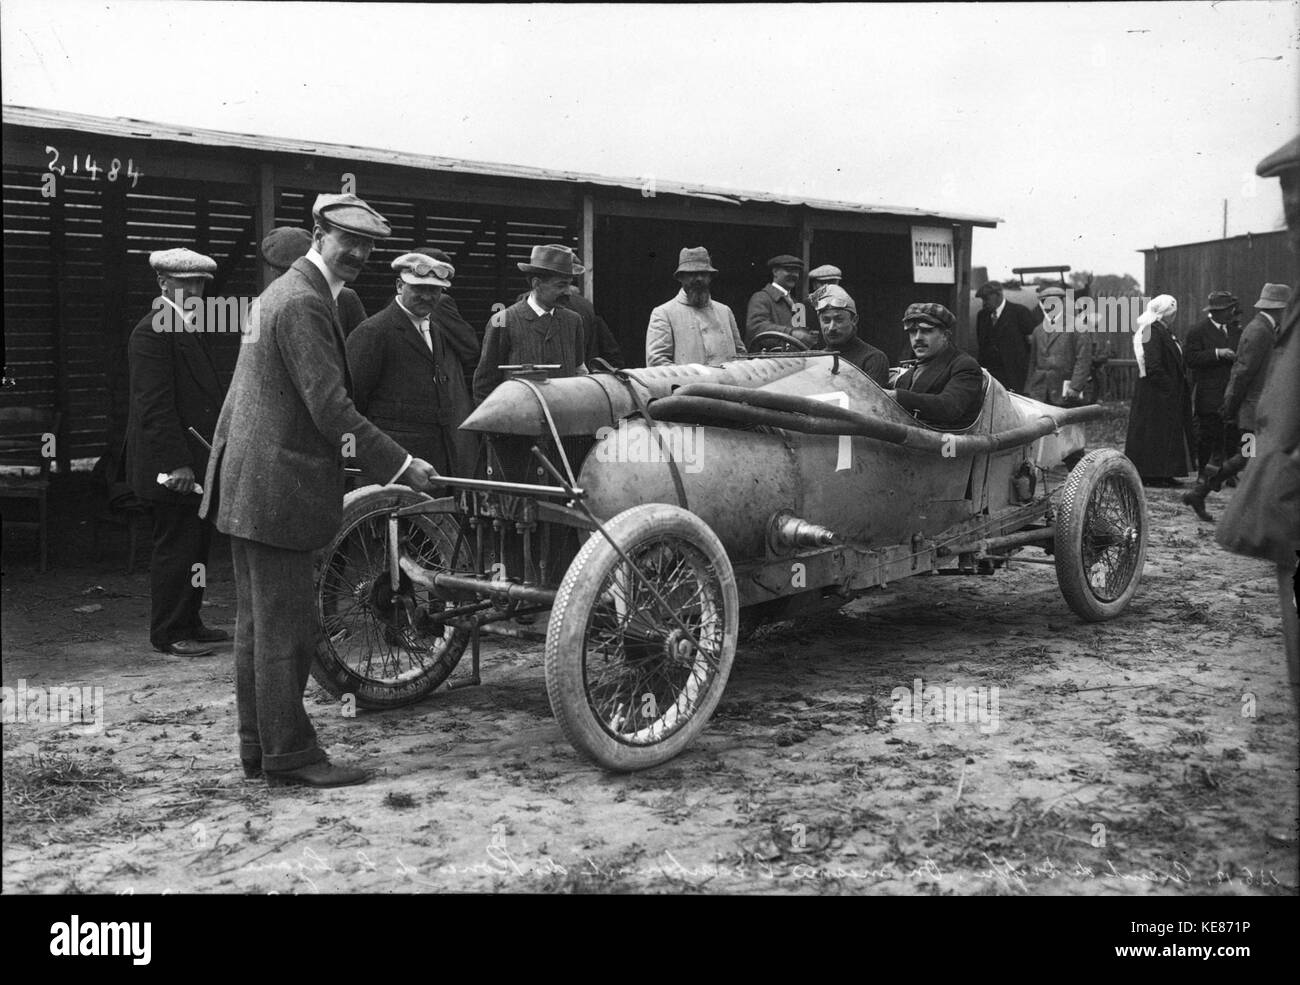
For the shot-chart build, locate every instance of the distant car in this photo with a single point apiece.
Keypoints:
(707, 500)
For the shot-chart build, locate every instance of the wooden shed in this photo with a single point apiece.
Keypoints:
(86, 199)
(1240, 264)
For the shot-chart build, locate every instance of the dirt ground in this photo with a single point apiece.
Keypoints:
(1155, 754)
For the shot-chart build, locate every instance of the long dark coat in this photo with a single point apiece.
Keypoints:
(174, 386)
(416, 396)
(1160, 422)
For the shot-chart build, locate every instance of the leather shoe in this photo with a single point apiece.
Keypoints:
(1196, 500)
(322, 774)
(207, 634)
(186, 648)
(252, 771)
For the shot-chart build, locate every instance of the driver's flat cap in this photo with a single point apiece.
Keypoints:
(929, 313)
(1284, 158)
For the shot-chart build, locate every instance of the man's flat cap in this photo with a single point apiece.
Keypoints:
(785, 260)
(834, 296)
(992, 287)
(1284, 158)
(825, 272)
(420, 268)
(181, 262)
(284, 245)
(929, 313)
(349, 213)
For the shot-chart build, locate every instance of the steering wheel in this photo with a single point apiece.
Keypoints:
(782, 342)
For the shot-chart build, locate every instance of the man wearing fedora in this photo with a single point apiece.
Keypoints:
(406, 376)
(1241, 396)
(1002, 330)
(285, 244)
(538, 330)
(275, 484)
(1209, 353)
(174, 387)
(773, 308)
(1263, 519)
(692, 327)
(601, 343)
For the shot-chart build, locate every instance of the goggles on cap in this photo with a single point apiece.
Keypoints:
(421, 269)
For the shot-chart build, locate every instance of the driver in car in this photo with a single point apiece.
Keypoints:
(943, 389)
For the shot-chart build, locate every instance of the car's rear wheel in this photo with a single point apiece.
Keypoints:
(1101, 535)
(380, 645)
(628, 685)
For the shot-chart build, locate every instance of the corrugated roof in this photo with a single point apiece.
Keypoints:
(1206, 242)
(147, 130)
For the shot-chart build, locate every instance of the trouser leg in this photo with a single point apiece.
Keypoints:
(180, 540)
(277, 586)
(250, 744)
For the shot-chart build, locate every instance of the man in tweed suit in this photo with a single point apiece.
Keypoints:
(275, 483)
(538, 330)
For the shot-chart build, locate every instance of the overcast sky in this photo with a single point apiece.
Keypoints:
(1091, 129)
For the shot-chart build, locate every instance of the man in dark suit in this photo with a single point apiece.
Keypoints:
(456, 331)
(1241, 396)
(1003, 328)
(838, 316)
(285, 244)
(538, 330)
(945, 387)
(174, 387)
(1209, 353)
(773, 309)
(275, 484)
(406, 376)
(601, 343)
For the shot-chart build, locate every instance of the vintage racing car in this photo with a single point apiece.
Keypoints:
(659, 514)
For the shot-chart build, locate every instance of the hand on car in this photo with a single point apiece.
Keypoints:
(419, 475)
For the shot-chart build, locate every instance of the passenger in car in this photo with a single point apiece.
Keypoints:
(944, 388)
(838, 316)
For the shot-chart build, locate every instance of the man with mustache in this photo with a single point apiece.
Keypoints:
(285, 244)
(838, 315)
(406, 372)
(539, 330)
(275, 484)
(692, 327)
(943, 389)
(773, 308)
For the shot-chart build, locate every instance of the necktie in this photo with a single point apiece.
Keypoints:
(424, 333)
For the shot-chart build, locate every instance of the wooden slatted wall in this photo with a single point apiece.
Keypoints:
(484, 243)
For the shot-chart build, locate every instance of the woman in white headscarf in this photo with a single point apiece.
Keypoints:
(1160, 420)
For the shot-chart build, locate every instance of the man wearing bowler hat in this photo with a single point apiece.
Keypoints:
(1209, 353)
(692, 327)
(773, 308)
(1241, 396)
(285, 244)
(406, 376)
(943, 389)
(275, 484)
(538, 330)
(174, 387)
(1263, 519)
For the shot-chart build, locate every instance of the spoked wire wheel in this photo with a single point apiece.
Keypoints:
(632, 678)
(1101, 535)
(379, 645)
